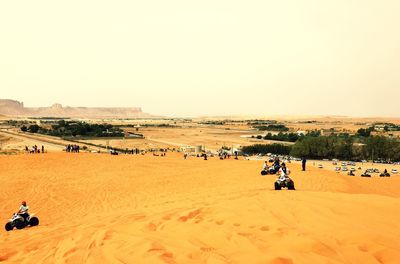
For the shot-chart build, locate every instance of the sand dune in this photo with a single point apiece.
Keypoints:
(97, 208)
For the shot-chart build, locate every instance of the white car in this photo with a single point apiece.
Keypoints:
(395, 171)
(345, 169)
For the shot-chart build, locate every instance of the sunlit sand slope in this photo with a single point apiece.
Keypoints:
(98, 208)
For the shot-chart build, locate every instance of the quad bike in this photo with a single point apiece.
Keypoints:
(273, 169)
(19, 222)
(283, 182)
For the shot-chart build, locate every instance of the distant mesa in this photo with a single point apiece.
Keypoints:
(16, 108)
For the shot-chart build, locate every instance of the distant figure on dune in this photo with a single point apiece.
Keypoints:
(303, 163)
(42, 149)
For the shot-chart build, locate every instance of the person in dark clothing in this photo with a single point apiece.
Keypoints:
(303, 163)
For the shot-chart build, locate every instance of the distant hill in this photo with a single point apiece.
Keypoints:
(16, 108)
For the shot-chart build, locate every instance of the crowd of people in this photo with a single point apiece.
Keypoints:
(34, 149)
(72, 148)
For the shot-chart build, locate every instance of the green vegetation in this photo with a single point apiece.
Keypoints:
(364, 132)
(272, 127)
(257, 122)
(71, 128)
(383, 127)
(289, 137)
(323, 148)
(215, 123)
(341, 147)
(266, 148)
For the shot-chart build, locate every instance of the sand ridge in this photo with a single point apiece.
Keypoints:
(98, 208)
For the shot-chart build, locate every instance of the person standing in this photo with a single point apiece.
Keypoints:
(303, 163)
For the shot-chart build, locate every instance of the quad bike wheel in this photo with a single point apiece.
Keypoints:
(9, 226)
(263, 172)
(19, 224)
(277, 186)
(34, 221)
(290, 185)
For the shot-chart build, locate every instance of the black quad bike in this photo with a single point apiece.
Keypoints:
(19, 222)
(284, 183)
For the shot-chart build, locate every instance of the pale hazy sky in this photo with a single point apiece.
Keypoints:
(207, 57)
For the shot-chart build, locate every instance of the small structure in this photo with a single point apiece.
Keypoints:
(301, 132)
(187, 149)
(199, 149)
(379, 127)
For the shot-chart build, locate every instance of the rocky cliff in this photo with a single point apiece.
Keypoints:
(15, 108)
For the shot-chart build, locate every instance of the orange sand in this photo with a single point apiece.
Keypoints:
(98, 208)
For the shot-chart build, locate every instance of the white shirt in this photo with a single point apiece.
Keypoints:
(283, 174)
(24, 209)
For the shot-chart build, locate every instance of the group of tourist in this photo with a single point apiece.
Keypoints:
(34, 149)
(72, 148)
(132, 151)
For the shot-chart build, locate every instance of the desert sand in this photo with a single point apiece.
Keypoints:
(98, 208)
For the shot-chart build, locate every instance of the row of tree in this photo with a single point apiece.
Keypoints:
(334, 147)
(275, 148)
(71, 128)
(272, 127)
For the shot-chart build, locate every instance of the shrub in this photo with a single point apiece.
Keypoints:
(266, 148)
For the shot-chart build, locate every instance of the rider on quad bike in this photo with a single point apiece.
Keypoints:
(21, 219)
(265, 169)
(283, 179)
